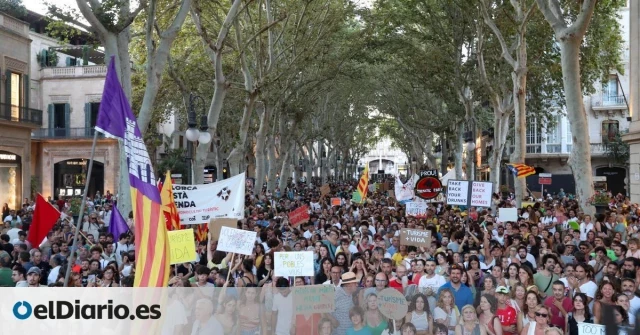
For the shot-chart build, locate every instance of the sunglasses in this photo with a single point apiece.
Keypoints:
(542, 315)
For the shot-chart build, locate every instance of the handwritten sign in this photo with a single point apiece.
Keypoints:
(595, 329)
(336, 202)
(293, 264)
(508, 214)
(417, 209)
(392, 304)
(216, 224)
(181, 246)
(458, 192)
(526, 204)
(236, 240)
(325, 189)
(356, 197)
(415, 237)
(299, 215)
(481, 194)
(314, 299)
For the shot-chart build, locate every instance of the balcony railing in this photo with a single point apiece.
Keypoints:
(608, 101)
(598, 148)
(74, 71)
(14, 24)
(64, 133)
(21, 114)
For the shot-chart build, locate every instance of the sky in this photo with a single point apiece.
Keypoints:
(39, 7)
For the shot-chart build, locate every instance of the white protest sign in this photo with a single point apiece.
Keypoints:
(237, 240)
(417, 209)
(458, 192)
(200, 203)
(508, 214)
(293, 264)
(595, 329)
(481, 193)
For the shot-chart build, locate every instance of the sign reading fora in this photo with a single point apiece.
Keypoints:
(428, 186)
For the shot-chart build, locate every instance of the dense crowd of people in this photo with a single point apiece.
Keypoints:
(552, 269)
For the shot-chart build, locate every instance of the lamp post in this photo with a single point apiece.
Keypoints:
(193, 134)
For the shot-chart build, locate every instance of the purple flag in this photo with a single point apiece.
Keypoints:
(117, 224)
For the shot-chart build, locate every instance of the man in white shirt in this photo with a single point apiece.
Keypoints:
(550, 221)
(55, 262)
(585, 227)
(205, 322)
(282, 316)
(629, 288)
(430, 283)
(581, 283)
(334, 275)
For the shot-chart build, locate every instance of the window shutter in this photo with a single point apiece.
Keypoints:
(50, 112)
(87, 119)
(27, 91)
(67, 61)
(67, 118)
(7, 93)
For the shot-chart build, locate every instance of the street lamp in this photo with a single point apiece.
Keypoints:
(194, 135)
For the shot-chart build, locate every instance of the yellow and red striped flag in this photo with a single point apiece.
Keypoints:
(202, 231)
(116, 120)
(521, 170)
(169, 209)
(363, 184)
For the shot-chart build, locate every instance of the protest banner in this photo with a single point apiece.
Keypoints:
(299, 215)
(417, 209)
(314, 299)
(526, 204)
(469, 193)
(508, 214)
(293, 264)
(237, 241)
(181, 246)
(200, 203)
(596, 329)
(336, 202)
(415, 237)
(356, 197)
(324, 190)
(392, 304)
(216, 224)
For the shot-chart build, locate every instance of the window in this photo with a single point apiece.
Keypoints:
(16, 95)
(610, 95)
(95, 107)
(554, 135)
(609, 130)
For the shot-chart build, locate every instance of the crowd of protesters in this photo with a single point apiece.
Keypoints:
(545, 273)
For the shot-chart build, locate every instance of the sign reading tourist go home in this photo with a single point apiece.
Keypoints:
(428, 186)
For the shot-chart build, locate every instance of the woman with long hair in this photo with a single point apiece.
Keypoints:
(474, 271)
(265, 270)
(373, 318)
(226, 313)
(488, 308)
(498, 273)
(621, 316)
(246, 273)
(518, 294)
(258, 254)
(512, 273)
(419, 316)
(323, 252)
(358, 267)
(469, 324)
(579, 314)
(108, 277)
(532, 300)
(604, 298)
(541, 323)
(525, 276)
(249, 311)
(621, 299)
(446, 311)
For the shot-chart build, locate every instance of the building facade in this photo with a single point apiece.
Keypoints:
(386, 159)
(17, 118)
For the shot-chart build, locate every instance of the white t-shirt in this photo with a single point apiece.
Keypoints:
(634, 306)
(589, 288)
(584, 229)
(439, 313)
(178, 317)
(548, 221)
(284, 307)
(434, 282)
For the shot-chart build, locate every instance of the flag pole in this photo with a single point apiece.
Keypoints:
(84, 200)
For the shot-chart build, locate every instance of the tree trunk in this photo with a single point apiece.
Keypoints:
(458, 150)
(520, 128)
(285, 171)
(261, 137)
(237, 154)
(444, 162)
(580, 159)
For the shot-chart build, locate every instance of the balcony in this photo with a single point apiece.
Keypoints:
(27, 116)
(15, 25)
(64, 133)
(604, 102)
(74, 72)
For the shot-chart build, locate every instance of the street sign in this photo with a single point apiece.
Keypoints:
(544, 178)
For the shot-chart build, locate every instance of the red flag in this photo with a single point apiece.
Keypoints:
(44, 217)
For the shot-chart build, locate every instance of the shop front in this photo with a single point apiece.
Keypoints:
(70, 178)
(10, 179)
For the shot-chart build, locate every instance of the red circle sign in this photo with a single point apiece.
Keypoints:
(428, 187)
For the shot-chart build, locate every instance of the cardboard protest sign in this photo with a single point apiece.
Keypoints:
(526, 204)
(336, 202)
(237, 241)
(325, 189)
(299, 215)
(293, 264)
(314, 299)
(508, 214)
(181, 246)
(417, 209)
(200, 203)
(392, 304)
(356, 197)
(415, 237)
(216, 224)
